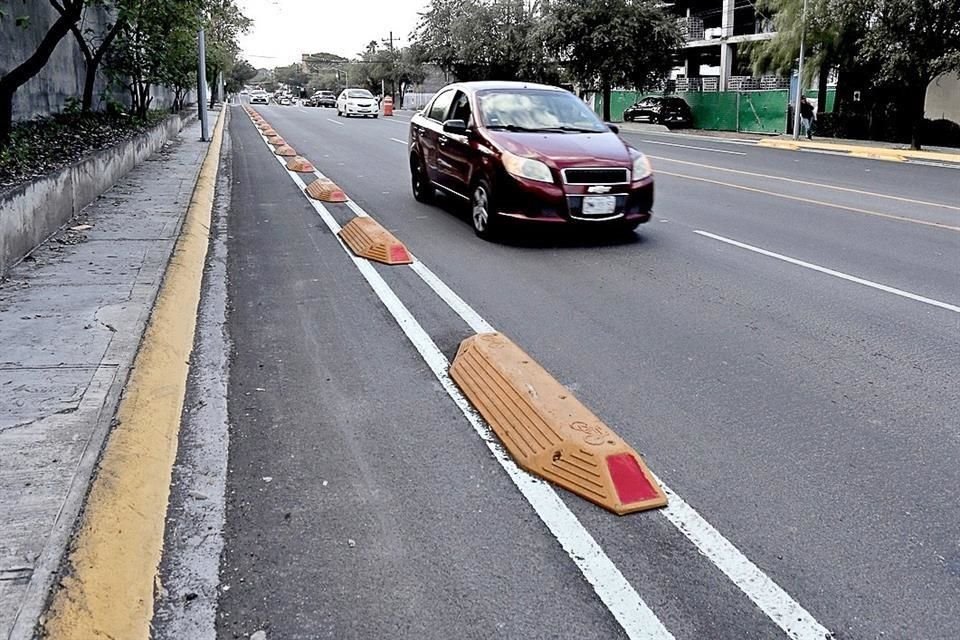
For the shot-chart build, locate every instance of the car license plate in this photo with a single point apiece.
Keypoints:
(599, 205)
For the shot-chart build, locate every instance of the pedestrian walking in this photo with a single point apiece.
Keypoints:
(807, 117)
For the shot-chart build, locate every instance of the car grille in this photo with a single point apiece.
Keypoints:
(596, 176)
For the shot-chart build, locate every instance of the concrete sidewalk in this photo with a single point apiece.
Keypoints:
(71, 319)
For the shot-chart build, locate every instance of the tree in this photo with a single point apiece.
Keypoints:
(612, 42)
(241, 73)
(911, 43)
(224, 24)
(830, 40)
(69, 13)
(507, 47)
(93, 43)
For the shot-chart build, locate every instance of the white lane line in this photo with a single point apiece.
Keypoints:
(770, 597)
(403, 142)
(775, 603)
(687, 146)
(339, 124)
(621, 599)
(455, 302)
(831, 272)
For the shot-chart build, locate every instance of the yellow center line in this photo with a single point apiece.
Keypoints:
(821, 203)
(808, 183)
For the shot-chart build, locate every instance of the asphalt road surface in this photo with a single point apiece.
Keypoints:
(781, 343)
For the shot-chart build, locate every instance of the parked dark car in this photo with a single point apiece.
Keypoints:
(672, 112)
(323, 99)
(529, 153)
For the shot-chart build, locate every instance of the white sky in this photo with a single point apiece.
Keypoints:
(284, 29)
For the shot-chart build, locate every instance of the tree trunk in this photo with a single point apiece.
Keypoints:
(30, 67)
(918, 100)
(605, 87)
(822, 85)
(93, 64)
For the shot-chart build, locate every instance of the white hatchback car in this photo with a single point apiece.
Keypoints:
(357, 102)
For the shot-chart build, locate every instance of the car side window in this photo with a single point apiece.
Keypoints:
(440, 106)
(461, 108)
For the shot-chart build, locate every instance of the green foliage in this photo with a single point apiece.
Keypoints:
(485, 40)
(613, 42)
(240, 74)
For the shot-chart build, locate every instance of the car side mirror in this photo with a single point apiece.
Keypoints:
(613, 127)
(455, 127)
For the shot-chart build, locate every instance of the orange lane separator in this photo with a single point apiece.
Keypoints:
(285, 150)
(369, 240)
(547, 430)
(268, 131)
(325, 191)
(300, 165)
(276, 141)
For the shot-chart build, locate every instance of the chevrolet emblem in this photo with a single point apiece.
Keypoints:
(598, 189)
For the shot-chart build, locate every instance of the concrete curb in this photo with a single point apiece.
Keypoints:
(642, 127)
(863, 151)
(107, 588)
(32, 212)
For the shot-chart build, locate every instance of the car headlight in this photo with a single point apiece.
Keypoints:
(526, 168)
(641, 167)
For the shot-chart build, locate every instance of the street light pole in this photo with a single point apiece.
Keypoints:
(796, 102)
(202, 86)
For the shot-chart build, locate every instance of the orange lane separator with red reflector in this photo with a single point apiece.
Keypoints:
(325, 191)
(285, 150)
(300, 165)
(547, 430)
(369, 240)
(276, 141)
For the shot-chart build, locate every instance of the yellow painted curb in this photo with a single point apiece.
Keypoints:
(862, 151)
(108, 587)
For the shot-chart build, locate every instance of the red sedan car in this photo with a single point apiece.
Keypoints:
(529, 153)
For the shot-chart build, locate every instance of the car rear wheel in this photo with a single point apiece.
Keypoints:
(482, 210)
(422, 189)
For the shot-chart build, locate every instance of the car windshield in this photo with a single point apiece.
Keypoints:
(537, 110)
(359, 93)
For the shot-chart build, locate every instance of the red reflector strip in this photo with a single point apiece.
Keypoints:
(631, 483)
(399, 253)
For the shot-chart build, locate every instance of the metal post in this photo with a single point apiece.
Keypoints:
(738, 110)
(202, 87)
(796, 102)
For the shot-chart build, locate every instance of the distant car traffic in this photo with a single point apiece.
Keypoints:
(259, 97)
(357, 102)
(669, 111)
(530, 153)
(285, 101)
(322, 99)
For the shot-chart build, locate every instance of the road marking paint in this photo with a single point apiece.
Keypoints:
(831, 272)
(770, 597)
(687, 146)
(812, 184)
(822, 203)
(403, 142)
(621, 599)
(336, 122)
(454, 301)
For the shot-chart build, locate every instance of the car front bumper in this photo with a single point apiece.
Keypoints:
(540, 202)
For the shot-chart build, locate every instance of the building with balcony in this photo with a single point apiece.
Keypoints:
(715, 32)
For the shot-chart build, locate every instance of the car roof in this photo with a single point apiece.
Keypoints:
(486, 85)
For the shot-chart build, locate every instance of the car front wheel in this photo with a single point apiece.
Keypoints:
(482, 210)
(422, 189)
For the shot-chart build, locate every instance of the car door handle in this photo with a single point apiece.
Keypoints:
(444, 139)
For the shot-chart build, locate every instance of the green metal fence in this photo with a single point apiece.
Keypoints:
(753, 111)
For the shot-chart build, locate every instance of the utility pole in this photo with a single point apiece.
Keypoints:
(202, 85)
(393, 78)
(796, 102)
